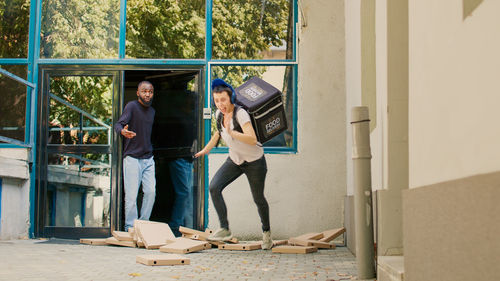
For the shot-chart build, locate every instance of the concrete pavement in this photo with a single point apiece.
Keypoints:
(58, 259)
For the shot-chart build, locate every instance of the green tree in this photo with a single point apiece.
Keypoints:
(14, 27)
(165, 29)
(92, 94)
(80, 28)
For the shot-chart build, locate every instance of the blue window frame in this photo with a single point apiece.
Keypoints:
(213, 43)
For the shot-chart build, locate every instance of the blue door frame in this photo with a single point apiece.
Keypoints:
(33, 63)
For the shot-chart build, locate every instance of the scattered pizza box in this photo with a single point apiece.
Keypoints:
(153, 234)
(294, 249)
(314, 243)
(114, 241)
(140, 244)
(186, 230)
(233, 240)
(329, 235)
(310, 236)
(184, 245)
(94, 241)
(216, 243)
(165, 259)
(280, 242)
(122, 235)
(241, 247)
(190, 236)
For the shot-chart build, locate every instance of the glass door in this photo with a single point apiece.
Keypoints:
(77, 161)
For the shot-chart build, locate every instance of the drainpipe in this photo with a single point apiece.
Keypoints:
(361, 156)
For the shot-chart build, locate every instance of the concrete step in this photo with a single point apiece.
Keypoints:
(390, 268)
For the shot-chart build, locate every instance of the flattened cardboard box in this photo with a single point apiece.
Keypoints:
(114, 241)
(241, 247)
(294, 250)
(165, 259)
(310, 236)
(329, 235)
(94, 241)
(154, 234)
(184, 246)
(314, 243)
(122, 235)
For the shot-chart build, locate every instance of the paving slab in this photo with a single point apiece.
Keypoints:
(55, 259)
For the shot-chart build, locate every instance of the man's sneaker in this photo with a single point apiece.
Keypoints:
(221, 234)
(267, 242)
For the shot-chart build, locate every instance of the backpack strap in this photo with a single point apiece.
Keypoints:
(236, 124)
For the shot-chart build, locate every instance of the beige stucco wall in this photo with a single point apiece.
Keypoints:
(305, 190)
(14, 172)
(454, 90)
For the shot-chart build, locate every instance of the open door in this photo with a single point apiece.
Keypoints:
(76, 160)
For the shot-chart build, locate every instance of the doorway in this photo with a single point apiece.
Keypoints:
(175, 137)
(79, 156)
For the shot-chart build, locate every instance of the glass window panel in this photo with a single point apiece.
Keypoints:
(89, 94)
(82, 29)
(252, 29)
(13, 103)
(165, 29)
(14, 28)
(78, 190)
(280, 77)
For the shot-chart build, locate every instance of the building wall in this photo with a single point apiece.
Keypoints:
(14, 213)
(454, 72)
(305, 190)
(454, 66)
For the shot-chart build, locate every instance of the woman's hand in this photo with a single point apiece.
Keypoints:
(200, 153)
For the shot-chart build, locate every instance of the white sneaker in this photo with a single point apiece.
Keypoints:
(221, 234)
(267, 242)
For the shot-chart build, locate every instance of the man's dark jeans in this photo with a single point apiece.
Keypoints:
(256, 174)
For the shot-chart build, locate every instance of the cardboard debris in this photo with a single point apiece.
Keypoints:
(184, 246)
(241, 247)
(294, 250)
(280, 242)
(310, 236)
(122, 235)
(329, 235)
(314, 243)
(114, 241)
(168, 259)
(186, 230)
(153, 234)
(216, 243)
(94, 241)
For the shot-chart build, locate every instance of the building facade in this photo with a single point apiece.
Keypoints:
(425, 69)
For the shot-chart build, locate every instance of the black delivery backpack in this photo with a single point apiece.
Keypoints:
(264, 104)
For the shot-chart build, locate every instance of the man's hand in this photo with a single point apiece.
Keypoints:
(126, 133)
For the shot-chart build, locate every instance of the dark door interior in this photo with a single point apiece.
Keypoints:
(175, 130)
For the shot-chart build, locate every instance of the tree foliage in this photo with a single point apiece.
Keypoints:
(92, 94)
(14, 27)
(80, 28)
(165, 29)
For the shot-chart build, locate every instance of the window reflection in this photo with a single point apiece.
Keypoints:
(244, 29)
(80, 110)
(80, 29)
(278, 76)
(78, 190)
(13, 103)
(165, 29)
(14, 28)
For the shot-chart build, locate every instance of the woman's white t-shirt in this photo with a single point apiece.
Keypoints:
(239, 151)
